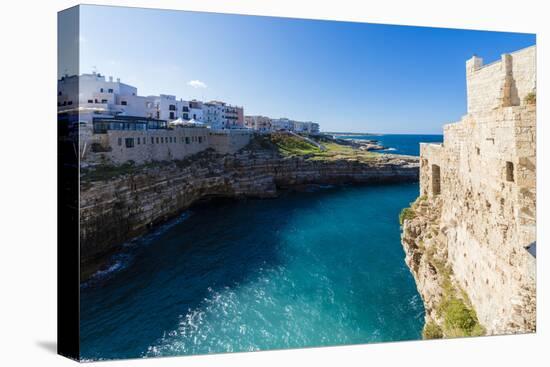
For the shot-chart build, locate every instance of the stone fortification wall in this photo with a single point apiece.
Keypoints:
(229, 141)
(481, 185)
(503, 83)
(142, 146)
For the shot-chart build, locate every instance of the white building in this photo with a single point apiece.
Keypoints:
(101, 97)
(282, 124)
(196, 110)
(220, 115)
(258, 123)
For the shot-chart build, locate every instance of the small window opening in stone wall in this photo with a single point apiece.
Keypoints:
(129, 142)
(509, 172)
(436, 179)
(477, 150)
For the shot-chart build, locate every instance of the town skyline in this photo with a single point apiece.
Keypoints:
(338, 74)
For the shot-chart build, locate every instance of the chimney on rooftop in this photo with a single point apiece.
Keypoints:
(118, 80)
(110, 78)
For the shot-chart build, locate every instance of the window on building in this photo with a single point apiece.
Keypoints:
(152, 140)
(90, 101)
(124, 103)
(436, 179)
(101, 90)
(96, 101)
(119, 141)
(144, 141)
(110, 90)
(70, 103)
(139, 141)
(477, 150)
(172, 107)
(59, 93)
(157, 139)
(509, 172)
(200, 139)
(172, 115)
(129, 142)
(103, 101)
(162, 140)
(187, 140)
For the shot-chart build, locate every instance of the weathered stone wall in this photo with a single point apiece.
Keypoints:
(114, 210)
(229, 141)
(149, 145)
(485, 199)
(503, 83)
(161, 145)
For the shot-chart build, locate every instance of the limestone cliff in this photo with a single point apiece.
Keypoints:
(470, 237)
(116, 208)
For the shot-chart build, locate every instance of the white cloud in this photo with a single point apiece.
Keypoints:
(196, 84)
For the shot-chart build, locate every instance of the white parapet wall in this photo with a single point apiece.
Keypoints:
(503, 83)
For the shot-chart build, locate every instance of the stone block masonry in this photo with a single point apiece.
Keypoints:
(478, 192)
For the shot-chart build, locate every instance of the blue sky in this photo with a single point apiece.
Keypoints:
(347, 76)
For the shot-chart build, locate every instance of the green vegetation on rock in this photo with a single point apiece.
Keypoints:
(406, 213)
(458, 315)
(105, 172)
(459, 319)
(432, 331)
(292, 145)
(531, 98)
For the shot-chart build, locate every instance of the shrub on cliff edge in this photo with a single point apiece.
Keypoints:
(531, 98)
(459, 319)
(406, 213)
(432, 331)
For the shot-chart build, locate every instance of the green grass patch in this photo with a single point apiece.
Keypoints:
(105, 172)
(289, 145)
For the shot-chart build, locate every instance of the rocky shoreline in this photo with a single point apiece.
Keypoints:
(118, 207)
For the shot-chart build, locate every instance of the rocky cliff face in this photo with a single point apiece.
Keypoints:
(116, 209)
(449, 312)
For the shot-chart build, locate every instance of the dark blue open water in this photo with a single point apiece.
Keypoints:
(306, 269)
(400, 143)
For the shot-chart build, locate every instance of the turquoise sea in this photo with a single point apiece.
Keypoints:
(406, 144)
(315, 268)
